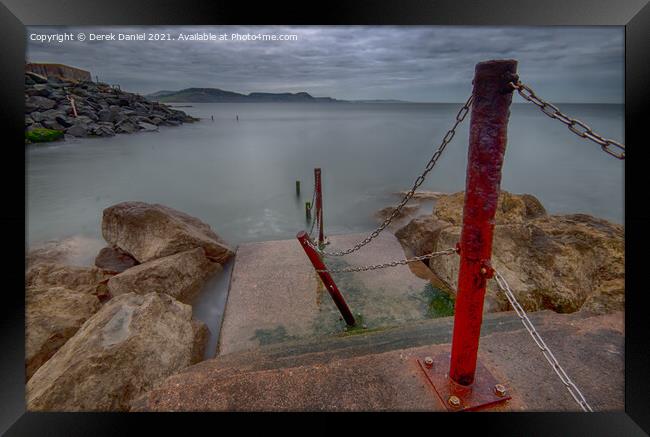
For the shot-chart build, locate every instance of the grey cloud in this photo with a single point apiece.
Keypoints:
(418, 63)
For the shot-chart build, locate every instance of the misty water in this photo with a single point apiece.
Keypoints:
(239, 176)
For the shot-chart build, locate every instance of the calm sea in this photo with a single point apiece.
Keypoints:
(240, 176)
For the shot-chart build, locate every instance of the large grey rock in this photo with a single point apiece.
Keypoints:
(65, 121)
(38, 103)
(52, 316)
(50, 114)
(150, 231)
(88, 112)
(38, 90)
(148, 127)
(52, 124)
(180, 275)
(121, 352)
(126, 126)
(102, 129)
(78, 130)
(110, 114)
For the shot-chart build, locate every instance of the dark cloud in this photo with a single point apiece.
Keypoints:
(418, 63)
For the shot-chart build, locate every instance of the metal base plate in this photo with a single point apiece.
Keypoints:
(481, 394)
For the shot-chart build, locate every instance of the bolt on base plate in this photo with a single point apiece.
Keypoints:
(484, 392)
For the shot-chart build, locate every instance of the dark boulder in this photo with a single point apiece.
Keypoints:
(78, 130)
(38, 103)
(113, 259)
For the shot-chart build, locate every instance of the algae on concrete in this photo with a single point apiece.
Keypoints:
(441, 304)
(270, 336)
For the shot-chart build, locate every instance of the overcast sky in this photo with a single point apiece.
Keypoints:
(416, 63)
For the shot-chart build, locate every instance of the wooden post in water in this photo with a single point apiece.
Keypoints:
(297, 188)
(308, 210)
(319, 207)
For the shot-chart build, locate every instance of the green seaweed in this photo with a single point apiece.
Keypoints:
(441, 304)
(43, 135)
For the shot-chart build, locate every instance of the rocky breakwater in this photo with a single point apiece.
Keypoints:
(564, 263)
(99, 336)
(102, 110)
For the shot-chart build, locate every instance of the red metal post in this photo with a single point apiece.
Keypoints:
(332, 289)
(319, 207)
(487, 145)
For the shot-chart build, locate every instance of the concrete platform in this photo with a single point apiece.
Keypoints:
(276, 296)
(378, 371)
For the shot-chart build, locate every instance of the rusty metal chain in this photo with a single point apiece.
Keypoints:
(571, 387)
(460, 116)
(313, 224)
(576, 126)
(390, 264)
(311, 208)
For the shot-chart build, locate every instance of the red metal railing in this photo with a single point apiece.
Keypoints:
(328, 282)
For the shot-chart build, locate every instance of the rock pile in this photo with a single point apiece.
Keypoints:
(564, 263)
(99, 336)
(102, 110)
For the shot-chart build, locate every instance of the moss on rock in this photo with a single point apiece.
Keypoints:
(43, 135)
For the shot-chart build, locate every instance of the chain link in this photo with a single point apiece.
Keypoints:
(460, 116)
(571, 387)
(576, 126)
(311, 208)
(392, 263)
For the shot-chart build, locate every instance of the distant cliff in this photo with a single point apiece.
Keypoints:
(215, 95)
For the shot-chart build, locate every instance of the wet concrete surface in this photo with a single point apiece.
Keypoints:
(378, 371)
(276, 296)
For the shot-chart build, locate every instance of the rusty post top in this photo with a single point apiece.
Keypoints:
(504, 69)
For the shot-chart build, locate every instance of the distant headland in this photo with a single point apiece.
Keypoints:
(216, 95)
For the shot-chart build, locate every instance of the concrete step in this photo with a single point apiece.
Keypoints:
(379, 371)
(307, 351)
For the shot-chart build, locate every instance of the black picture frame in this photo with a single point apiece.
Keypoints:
(633, 14)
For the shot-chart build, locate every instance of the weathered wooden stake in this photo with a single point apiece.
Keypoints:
(319, 207)
(297, 188)
(308, 210)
